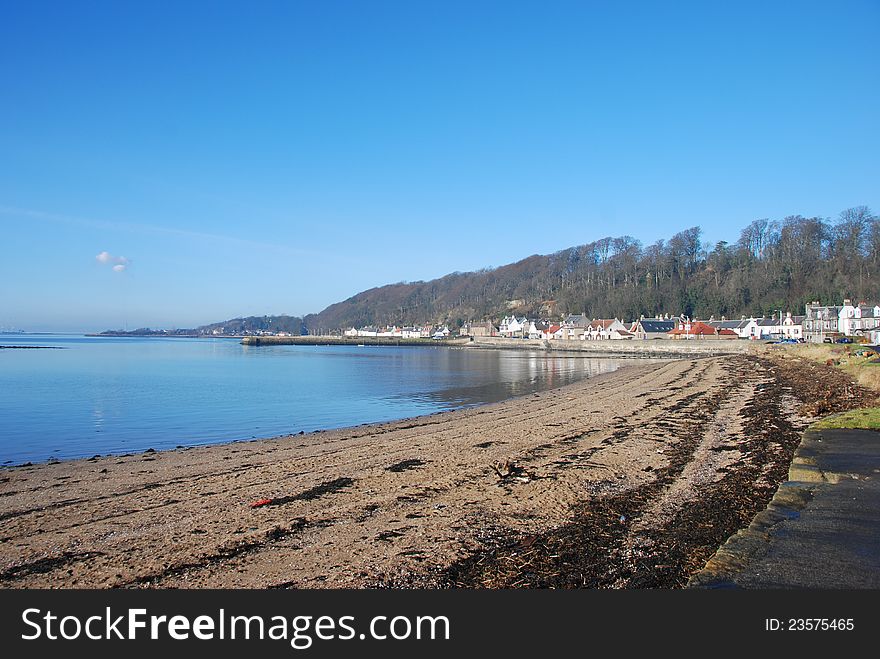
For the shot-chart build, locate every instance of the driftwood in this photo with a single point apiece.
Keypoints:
(508, 471)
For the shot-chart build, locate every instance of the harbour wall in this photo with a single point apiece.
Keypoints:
(632, 348)
(348, 341)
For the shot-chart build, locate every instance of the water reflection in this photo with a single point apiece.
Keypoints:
(110, 395)
(503, 375)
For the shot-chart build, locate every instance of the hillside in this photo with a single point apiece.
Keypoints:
(253, 324)
(774, 265)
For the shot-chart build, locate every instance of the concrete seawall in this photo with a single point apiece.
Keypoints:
(636, 348)
(821, 528)
(347, 341)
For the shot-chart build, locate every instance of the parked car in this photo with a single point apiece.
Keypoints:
(844, 339)
(827, 339)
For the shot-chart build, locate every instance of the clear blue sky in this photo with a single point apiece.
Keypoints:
(250, 158)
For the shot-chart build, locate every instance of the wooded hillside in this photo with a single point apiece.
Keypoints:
(774, 265)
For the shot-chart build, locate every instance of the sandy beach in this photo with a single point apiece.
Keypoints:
(628, 479)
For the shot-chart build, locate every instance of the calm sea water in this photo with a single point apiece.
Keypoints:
(118, 395)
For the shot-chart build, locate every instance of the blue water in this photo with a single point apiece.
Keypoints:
(117, 395)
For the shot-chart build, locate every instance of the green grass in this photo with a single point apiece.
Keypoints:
(867, 418)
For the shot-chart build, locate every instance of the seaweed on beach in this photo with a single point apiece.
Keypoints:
(599, 547)
(405, 465)
(45, 565)
(327, 487)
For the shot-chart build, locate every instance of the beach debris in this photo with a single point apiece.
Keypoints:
(509, 470)
(389, 535)
(327, 487)
(405, 465)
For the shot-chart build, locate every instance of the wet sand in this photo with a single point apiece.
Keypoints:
(429, 501)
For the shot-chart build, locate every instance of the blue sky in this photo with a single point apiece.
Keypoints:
(250, 158)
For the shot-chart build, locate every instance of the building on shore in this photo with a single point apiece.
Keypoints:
(652, 328)
(793, 327)
(553, 332)
(537, 329)
(820, 321)
(688, 330)
(739, 327)
(602, 329)
(574, 327)
(486, 328)
(855, 320)
(513, 327)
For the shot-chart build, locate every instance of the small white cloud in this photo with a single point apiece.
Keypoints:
(119, 263)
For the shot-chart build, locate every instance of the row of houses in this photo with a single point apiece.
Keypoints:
(393, 331)
(818, 323)
(847, 319)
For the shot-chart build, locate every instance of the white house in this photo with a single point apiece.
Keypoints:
(554, 332)
(793, 327)
(603, 329)
(857, 319)
(760, 328)
(537, 328)
(511, 326)
(790, 327)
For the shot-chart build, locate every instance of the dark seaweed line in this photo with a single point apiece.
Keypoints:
(581, 553)
(226, 553)
(44, 565)
(591, 550)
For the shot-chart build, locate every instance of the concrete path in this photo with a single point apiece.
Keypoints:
(822, 528)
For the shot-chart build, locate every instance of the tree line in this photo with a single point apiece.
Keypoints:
(775, 265)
